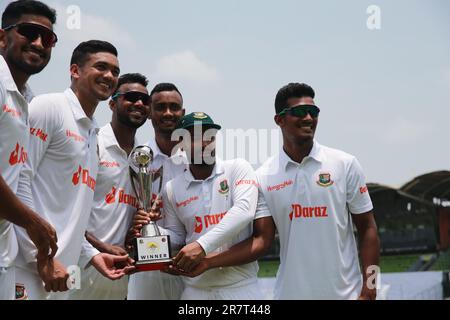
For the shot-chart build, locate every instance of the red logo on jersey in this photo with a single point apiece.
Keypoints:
(39, 133)
(186, 202)
(14, 112)
(251, 182)
(363, 189)
(280, 186)
(198, 225)
(307, 212)
(109, 164)
(18, 155)
(75, 136)
(86, 179)
(111, 197)
(207, 221)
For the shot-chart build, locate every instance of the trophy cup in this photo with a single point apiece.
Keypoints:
(152, 250)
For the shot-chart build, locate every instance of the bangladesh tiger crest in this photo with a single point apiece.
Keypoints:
(325, 180)
(224, 188)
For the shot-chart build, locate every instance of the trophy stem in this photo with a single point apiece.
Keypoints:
(150, 230)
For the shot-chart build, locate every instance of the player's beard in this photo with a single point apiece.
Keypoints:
(21, 65)
(126, 121)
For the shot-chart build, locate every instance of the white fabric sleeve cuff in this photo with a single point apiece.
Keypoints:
(87, 253)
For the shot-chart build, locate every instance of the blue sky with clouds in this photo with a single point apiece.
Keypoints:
(384, 94)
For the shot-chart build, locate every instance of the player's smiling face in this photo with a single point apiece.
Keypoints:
(166, 110)
(131, 114)
(98, 75)
(29, 57)
(300, 129)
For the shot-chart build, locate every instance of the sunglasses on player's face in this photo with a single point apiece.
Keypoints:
(133, 97)
(301, 111)
(32, 31)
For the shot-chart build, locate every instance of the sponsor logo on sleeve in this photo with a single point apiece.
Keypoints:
(37, 132)
(363, 189)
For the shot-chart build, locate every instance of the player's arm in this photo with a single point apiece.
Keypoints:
(103, 246)
(369, 248)
(244, 252)
(360, 205)
(244, 193)
(11, 208)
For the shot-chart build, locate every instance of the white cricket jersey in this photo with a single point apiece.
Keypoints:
(114, 200)
(217, 212)
(311, 204)
(59, 176)
(15, 134)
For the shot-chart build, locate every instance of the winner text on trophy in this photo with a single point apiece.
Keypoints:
(152, 250)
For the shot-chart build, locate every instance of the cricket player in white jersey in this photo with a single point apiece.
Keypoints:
(166, 109)
(26, 43)
(211, 206)
(315, 194)
(59, 176)
(114, 201)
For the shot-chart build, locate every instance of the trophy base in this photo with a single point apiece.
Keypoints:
(152, 253)
(152, 266)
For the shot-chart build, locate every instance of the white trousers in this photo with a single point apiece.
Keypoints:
(250, 291)
(94, 286)
(7, 283)
(154, 285)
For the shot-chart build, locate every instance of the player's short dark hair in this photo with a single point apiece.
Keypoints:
(165, 86)
(16, 9)
(81, 53)
(131, 78)
(292, 90)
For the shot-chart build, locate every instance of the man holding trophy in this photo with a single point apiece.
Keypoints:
(211, 207)
(166, 109)
(114, 200)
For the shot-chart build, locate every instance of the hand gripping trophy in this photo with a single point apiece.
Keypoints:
(152, 250)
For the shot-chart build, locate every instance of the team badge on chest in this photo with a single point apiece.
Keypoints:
(325, 180)
(224, 188)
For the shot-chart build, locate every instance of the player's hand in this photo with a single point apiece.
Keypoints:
(140, 219)
(198, 270)
(43, 236)
(112, 267)
(53, 273)
(189, 257)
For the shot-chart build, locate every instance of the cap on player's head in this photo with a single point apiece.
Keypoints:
(197, 119)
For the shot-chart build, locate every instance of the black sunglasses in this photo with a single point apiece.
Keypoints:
(133, 96)
(32, 31)
(301, 111)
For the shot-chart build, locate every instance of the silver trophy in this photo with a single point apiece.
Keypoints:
(152, 250)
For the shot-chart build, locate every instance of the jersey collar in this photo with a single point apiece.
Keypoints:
(315, 154)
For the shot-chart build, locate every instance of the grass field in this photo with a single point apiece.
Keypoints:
(399, 263)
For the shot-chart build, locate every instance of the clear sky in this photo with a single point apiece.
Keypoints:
(384, 93)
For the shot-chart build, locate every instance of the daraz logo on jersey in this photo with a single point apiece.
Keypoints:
(18, 155)
(83, 176)
(123, 197)
(206, 221)
(299, 211)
